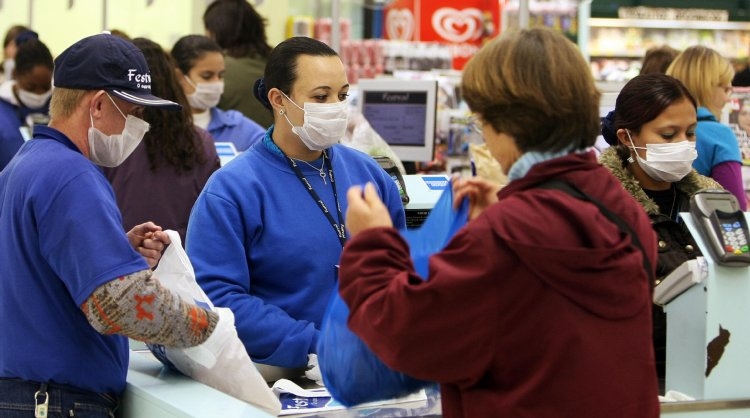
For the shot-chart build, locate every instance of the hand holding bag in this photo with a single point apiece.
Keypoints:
(352, 373)
(221, 361)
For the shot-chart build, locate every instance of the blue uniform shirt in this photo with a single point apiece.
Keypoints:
(262, 246)
(232, 126)
(61, 238)
(10, 135)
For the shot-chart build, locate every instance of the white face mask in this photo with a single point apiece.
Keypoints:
(8, 66)
(206, 95)
(112, 150)
(33, 100)
(669, 162)
(324, 124)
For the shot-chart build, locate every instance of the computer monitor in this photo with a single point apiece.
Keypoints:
(402, 112)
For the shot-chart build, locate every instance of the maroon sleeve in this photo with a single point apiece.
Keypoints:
(403, 318)
(729, 175)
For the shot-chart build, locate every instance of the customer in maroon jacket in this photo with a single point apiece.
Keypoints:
(541, 305)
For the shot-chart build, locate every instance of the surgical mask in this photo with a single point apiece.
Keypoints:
(33, 100)
(8, 66)
(112, 150)
(324, 124)
(669, 162)
(206, 95)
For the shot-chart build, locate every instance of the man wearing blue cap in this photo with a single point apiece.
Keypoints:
(74, 284)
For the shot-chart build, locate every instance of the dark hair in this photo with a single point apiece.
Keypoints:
(281, 68)
(237, 27)
(657, 59)
(189, 49)
(172, 137)
(535, 86)
(120, 34)
(642, 100)
(10, 35)
(32, 53)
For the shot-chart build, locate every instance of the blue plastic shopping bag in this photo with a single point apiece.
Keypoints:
(441, 224)
(351, 372)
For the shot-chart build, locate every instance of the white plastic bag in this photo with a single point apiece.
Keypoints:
(221, 361)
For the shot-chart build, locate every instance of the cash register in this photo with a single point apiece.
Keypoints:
(423, 190)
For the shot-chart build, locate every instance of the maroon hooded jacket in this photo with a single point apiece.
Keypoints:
(540, 307)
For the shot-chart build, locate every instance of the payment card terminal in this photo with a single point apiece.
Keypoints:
(723, 226)
(390, 167)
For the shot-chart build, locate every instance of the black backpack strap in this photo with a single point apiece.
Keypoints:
(574, 191)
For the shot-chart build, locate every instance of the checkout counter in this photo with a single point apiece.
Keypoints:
(708, 346)
(708, 335)
(423, 190)
(154, 391)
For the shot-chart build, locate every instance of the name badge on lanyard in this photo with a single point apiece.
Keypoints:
(338, 227)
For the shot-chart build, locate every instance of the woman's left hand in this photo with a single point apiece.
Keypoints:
(365, 210)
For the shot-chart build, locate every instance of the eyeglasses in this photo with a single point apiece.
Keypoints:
(476, 124)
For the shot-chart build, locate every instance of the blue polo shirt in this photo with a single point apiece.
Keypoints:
(715, 143)
(233, 126)
(61, 238)
(10, 135)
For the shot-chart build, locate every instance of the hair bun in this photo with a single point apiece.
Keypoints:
(259, 90)
(608, 128)
(25, 36)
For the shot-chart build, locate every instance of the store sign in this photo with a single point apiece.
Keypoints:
(464, 28)
(457, 26)
(400, 24)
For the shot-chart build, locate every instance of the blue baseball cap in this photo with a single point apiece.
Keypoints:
(107, 62)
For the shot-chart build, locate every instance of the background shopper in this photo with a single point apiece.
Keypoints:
(657, 113)
(241, 31)
(708, 77)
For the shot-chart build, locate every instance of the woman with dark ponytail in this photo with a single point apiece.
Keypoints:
(652, 113)
(276, 212)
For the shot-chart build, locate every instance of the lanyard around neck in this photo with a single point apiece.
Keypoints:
(337, 226)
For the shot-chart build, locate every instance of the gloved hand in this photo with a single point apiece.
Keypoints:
(313, 370)
(205, 353)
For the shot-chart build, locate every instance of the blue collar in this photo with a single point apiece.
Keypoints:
(704, 114)
(270, 145)
(522, 166)
(45, 132)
